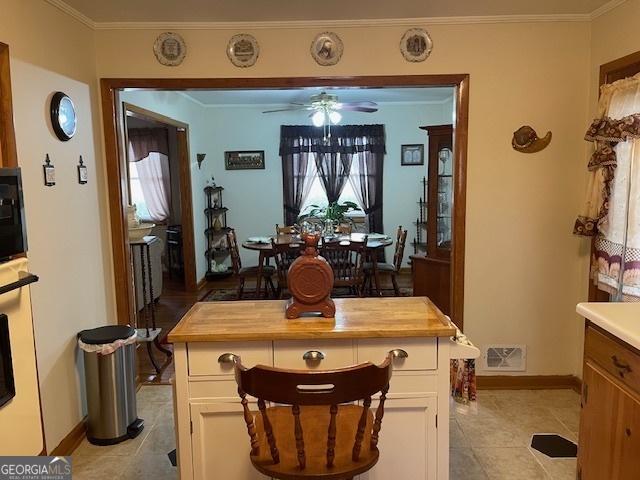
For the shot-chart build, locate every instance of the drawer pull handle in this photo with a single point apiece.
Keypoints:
(399, 353)
(313, 356)
(621, 366)
(227, 358)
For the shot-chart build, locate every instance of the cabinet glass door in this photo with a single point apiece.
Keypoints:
(445, 195)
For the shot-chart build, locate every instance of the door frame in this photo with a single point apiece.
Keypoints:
(186, 201)
(8, 150)
(110, 87)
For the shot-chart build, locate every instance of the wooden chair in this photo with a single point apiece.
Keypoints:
(392, 269)
(242, 273)
(284, 255)
(321, 434)
(347, 261)
(286, 230)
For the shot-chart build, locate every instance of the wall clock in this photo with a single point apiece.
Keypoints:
(63, 116)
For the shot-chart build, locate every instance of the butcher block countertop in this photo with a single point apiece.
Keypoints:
(392, 317)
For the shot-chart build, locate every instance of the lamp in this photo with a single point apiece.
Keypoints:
(318, 118)
(200, 159)
(334, 116)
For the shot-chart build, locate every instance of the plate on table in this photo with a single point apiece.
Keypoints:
(259, 240)
(378, 236)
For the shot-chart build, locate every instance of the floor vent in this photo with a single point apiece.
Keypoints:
(510, 358)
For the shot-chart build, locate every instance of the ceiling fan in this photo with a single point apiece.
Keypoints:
(325, 108)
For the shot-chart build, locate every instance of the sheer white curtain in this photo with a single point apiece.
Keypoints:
(155, 183)
(617, 245)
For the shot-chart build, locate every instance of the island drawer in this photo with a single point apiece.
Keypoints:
(422, 353)
(313, 354)
(203, 357)
(616, 358)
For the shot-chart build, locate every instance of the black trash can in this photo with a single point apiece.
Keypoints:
(110, 377)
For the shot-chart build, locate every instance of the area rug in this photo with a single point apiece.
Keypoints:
(229, 294)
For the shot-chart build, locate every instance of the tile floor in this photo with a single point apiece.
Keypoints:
(490, 442)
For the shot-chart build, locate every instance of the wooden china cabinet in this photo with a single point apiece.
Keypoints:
(431, 265)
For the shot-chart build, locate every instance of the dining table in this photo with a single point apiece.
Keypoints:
(262, 245)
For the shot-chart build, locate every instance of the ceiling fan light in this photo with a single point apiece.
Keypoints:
(335, 117)
(318, 118)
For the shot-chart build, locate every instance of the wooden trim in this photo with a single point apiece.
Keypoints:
(72, 441)
(620, 68)
(528, 382)
(110, 87)
(152, 116)
(8, 150)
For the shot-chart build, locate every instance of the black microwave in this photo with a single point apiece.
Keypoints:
(13, 233)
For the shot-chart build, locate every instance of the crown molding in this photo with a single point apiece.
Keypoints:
(607, 7)
(356, 23)
(72, 12)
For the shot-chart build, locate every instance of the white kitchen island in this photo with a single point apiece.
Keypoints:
(212, 439)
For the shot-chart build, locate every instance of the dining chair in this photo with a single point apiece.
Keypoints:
(286, 230)
(242, 273)
(284, 254)
(347, 261)
(392, 269)
(317, 431)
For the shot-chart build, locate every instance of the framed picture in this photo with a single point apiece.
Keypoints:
(49, 172)
(412, 155)
(246, 160)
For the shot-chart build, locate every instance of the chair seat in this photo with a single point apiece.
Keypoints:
(314, 420)
(267, 271)
(382, 267)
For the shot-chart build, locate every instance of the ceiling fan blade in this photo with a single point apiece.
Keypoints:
(289, 109)
(358, 108)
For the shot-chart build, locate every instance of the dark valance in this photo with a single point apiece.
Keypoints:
(609, 130)
(347, 139)
(144, 141)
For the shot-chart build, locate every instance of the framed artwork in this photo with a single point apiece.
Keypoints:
(416, 45)
(83, 174)
(49, 172)
(244, 160)
(412, 155)
(326, 49)
(243, 50)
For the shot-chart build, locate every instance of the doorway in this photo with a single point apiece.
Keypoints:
(111, 89)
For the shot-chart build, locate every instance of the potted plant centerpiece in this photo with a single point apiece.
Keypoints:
(330, 215)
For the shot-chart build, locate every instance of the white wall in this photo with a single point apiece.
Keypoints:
(524, 269)
(67, 224)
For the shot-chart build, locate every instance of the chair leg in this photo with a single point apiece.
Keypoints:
(394, 280)
(272, 286)
(240, 289)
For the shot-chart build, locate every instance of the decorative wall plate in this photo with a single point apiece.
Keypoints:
(170, 49)
(63, 116)
(243, 50)
(327, 48)
(416, 45)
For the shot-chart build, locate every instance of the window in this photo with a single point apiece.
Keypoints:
(317, 195)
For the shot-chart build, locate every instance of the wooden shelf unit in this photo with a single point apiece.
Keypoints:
(217, 249)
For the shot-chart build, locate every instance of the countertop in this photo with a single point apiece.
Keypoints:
(622, 320)
(391, 317)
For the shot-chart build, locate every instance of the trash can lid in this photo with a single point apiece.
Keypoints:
(106, 334)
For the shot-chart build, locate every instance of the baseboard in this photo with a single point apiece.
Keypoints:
(72, 441)
(528, 382)
(201, 283)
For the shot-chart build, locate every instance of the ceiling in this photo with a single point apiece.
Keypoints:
(298, 10)
(283, 97)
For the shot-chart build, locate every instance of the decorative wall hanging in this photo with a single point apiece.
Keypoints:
(83, 174)
(200, 159)
(526, 140)
(327, 48)
(416, 45)
(49, 172)
(63, 116)
(412, 155)
(243, 50)
(170, 49)
(248, 160)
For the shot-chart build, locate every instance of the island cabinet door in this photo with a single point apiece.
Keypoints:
(408, 440)
(221, 443)
(609, 442)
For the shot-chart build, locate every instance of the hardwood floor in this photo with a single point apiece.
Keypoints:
(174, 303)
